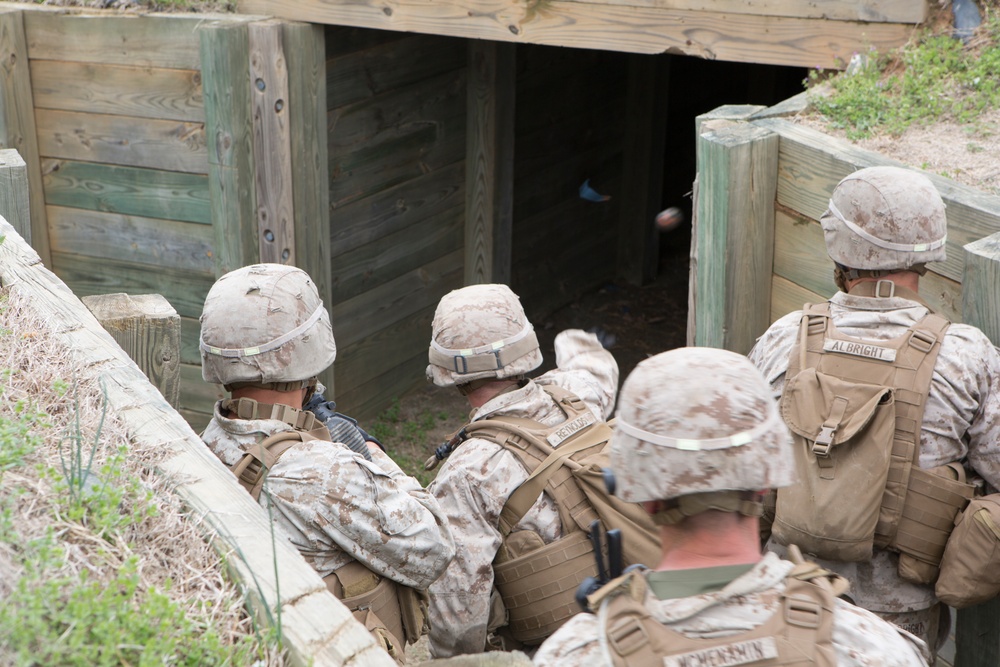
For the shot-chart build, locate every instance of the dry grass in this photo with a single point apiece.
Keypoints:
(40, 383)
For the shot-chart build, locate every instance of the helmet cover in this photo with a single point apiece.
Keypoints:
(264, 324)
(480, 331)
(697, 420)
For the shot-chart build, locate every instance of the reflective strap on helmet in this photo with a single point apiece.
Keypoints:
(489, 357)
(888, 245)
(772, 422)
(264, 347)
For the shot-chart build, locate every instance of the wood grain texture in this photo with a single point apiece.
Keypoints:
(897, 11)
(427, 196)
(14, 199)
(777, 40)
(812, 163)
(489, 162)
(149, 330)
(184, 289)
(122, 140)
(18, 129)
(272, 145)
(151, 193)
(737, 165)
(981, 285)
(391, 302)
(317, 628)
(225, 54)
(151, 242)
(393, 255)
(143, 92)
(140, 40)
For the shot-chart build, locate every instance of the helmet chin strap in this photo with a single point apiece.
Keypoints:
(843, 274)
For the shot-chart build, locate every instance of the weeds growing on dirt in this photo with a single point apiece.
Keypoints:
(98, 565)
(934, 77)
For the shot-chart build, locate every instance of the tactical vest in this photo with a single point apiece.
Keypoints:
(390, 611)
(799, 633)
(855, 407)
(537, 582)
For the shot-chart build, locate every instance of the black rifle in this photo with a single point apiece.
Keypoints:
(605, 573)
(443, 451)
(342, 428)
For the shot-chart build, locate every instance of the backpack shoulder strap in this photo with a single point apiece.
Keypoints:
(250, 469)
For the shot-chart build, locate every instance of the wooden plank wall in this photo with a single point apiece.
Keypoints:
(121, 139)
(809, 166)
(569, 127)
(396, 125)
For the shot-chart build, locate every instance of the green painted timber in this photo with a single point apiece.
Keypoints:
(151, 242)
(151, 193)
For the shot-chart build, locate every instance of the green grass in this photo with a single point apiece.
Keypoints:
(935, 77)
(409, 441)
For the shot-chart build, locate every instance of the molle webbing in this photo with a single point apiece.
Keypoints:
(300, 420)
(800, 632)
(909, 374)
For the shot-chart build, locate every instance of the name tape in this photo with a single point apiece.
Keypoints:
(866, 350)
(727, 655)
(569, 429)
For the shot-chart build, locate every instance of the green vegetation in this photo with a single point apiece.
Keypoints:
(934, 77)
(83, 547)
(410, 440)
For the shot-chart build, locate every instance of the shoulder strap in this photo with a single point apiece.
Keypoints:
(543, 450)
(250, 469)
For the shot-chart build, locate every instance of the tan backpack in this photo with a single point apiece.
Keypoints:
(537, 582)
(799, 633)
(855, 408)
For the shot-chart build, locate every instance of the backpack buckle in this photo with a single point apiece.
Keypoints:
(922, 340)
(823, 442)
(802, 611)
(627, 636)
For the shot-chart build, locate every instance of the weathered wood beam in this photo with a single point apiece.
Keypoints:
(14, 204)
(737, 173)
(642, 180)
(272, 143)
(17, 122)
(225, 54)
(306, 104)
(148, 328)
(977, 643)
(489, 163)
(650, 28)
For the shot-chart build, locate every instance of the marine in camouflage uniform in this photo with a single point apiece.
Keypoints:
(697, 440)
(479, 475)
(266, 334)
(885, 223)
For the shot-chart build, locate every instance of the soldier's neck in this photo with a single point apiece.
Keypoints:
(736, 541)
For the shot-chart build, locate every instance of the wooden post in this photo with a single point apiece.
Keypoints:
(309, 158)
(489, 162)
(737, 181)
(148, 328)
(228, 132)
(272, 149)
(14, 205)
(17, 125)
(642, 177)
(977, 640)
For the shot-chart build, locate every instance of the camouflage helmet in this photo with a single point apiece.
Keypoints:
(698, 420)
(265, 325)
(885, 218)
(480, 331)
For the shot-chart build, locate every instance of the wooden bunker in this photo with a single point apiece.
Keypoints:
(393, 150)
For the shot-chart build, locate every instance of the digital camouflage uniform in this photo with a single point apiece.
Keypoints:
(333, 504)
(697, 430)
(882, 220)
(859, 638)
(477, 478)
